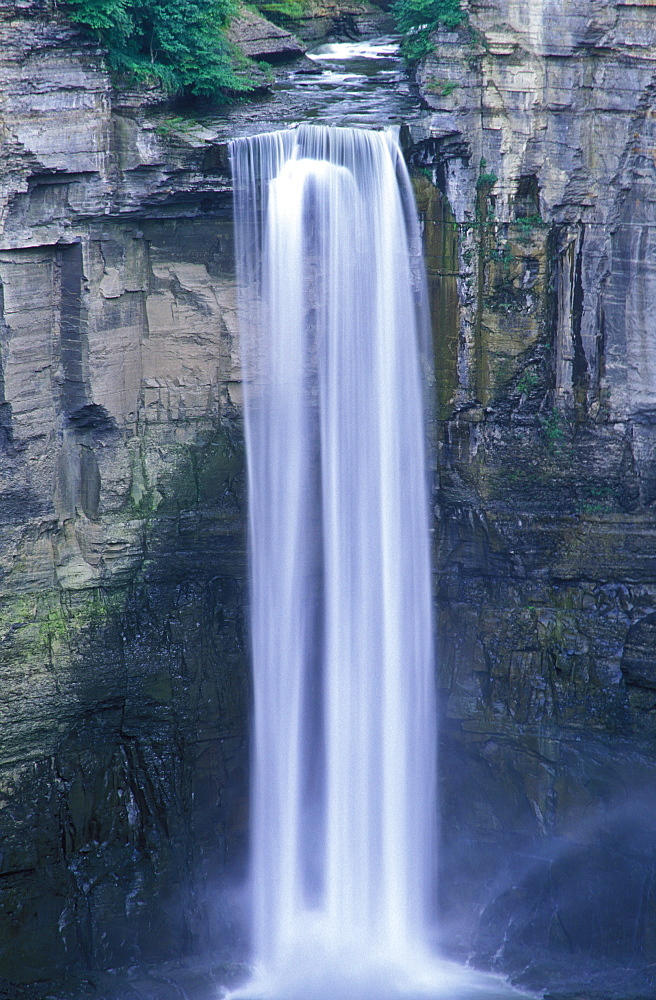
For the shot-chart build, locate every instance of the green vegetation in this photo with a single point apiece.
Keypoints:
(179, 43)
(527, 223)
(53, 627)
(486, 178)
(441, 87)
(527, 226)
(418, 19)
(281, 11)
(553, 428)
(174, 123)
(528, 381)
(44, 622)
(597, 500)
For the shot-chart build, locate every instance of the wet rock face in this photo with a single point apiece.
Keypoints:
(123, 760)
(540, 150)
(124, 766)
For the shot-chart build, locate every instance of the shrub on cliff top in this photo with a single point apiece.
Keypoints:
(417, 19)
(178, 42)
(283, 12)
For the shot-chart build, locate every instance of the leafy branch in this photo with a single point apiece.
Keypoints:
(179, 43)
(418, 19)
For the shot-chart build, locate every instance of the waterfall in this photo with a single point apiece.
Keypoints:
(334, 349)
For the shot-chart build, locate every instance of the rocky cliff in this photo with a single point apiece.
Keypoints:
(542, 248)
(124, 683)
(123, 770)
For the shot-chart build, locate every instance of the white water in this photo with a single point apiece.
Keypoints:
(333, 342)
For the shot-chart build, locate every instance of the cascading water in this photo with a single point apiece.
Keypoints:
(333, 330)
(334, 343)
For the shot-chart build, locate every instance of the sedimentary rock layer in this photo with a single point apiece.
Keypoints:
(541, 248)
(123, 761)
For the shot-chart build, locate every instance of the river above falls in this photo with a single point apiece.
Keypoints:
(358, 83)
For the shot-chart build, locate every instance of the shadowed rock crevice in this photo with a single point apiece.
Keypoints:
(73, 340)
(145, 781)
(5, 407)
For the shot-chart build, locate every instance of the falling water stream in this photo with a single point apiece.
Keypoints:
(334, 350)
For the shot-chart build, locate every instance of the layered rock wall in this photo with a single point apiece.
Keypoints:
(123, 757)
(541, 144)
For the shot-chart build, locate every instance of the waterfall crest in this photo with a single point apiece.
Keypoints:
(333, 342)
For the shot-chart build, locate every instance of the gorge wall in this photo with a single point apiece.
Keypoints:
(543, 236)
(123, 771)
(124, 677)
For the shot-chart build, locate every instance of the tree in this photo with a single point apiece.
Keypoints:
(417, 19)
(181, 43)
